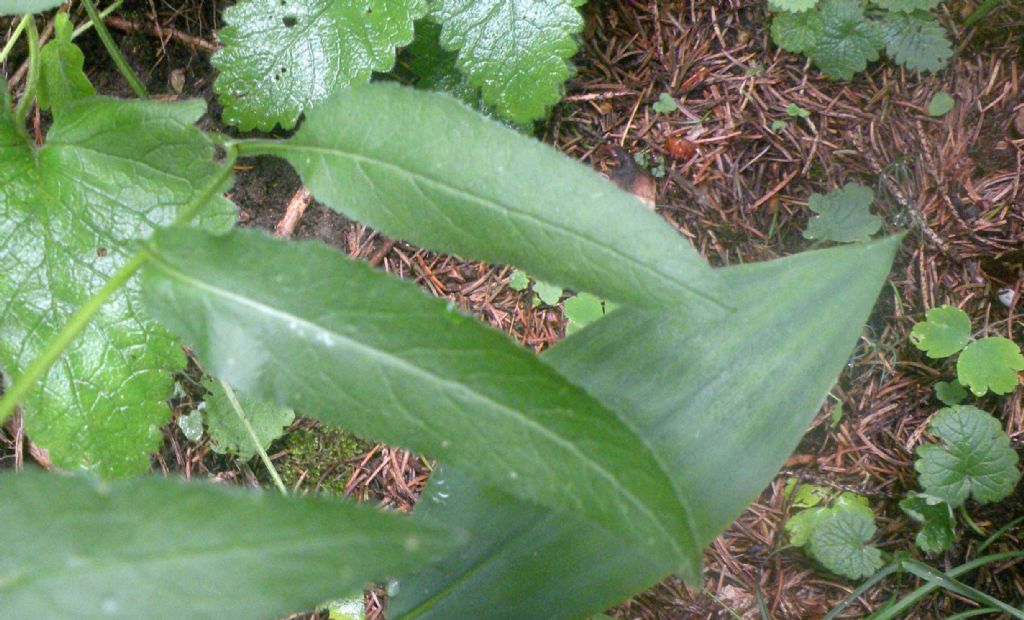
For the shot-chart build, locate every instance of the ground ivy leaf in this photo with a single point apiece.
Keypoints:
(62, 79)
(990, 364)
(229, 434)
(546, 293)
(907, 6)
(950, 392)
(917, 41)
(800, 526)
(843, 215)
(146, 547)
(68, 214)
(797, 32)
(516, 51)
(848, 39)
(936, 519)
(944, 331)
(435, 68)
(20, 7)
(975, 459)
(838, 542)
(282, 56)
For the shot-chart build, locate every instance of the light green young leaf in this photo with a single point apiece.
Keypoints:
(801, 525)
(518, 281)
(229, 434)
(852, 502)
(848, 40)
(917, 41)
(516, 51)
(678, 381)
(838, 542)
(940, 104)
(156, 548)
(192, 426)
(548, 294)
(975, 459)
(421, 166)
(583, 309)
(665, 104)
(809, 495)
(944, 331)
(792, 6)
(439, 383)
(936, 519)
(62, 79)
(19, 7)
(797, 32)
(283, 56)
(907, 6)
(990, 364)
(843, 215)
(69, 212)
(950, 392)
(795, 111)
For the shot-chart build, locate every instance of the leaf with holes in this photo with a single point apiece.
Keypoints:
(839, 543)
(843, 215)
(917, 41)
(69, 212)
(516, 51)
(62, 79)
(975, 458)
(283, 56)
(848, 41)
(228, 431)
(936, 519)
(944, 331)
(990, 364)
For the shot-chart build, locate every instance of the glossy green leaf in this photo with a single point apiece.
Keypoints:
(435, 68)
(936, 519)
(944, 331)
(229, 433)
(950, 392)
(516, 51)
(848, 41)
(839, 543)
(797, 32)
(191, 426)
(762, 373)
(975, 458)
(18, 7)
(157, 548)
(62, 79)
(282, 56)
(421, 166)
(843, 215)
(990, 364)
(69, 212)
(316, 333)
(917, 41)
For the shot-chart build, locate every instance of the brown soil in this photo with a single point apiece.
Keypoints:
(955, 183)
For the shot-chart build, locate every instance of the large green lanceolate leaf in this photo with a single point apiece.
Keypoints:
(110, 171)
(722, 404)
(156, 548)
(281, 56)
(423, 167)
(17, 7)
(341, 342)
(516, 51)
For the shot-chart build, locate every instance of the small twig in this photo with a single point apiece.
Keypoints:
(381, 252)
(293, 213)
(161, 32)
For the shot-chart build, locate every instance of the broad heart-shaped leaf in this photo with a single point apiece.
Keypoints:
(838, 542)
(62, 79)
(936, 519)
(848, 39)
(229, 433)
(843, 215)
(352, 346)
(157, 548)
(516, 51)
(421, 166)
(796, 32)
(69, 212)
(723, 401)
(18, 7)
(282, 56)
(990, 364)
(917, 41)
(944, 331)
(976, 458)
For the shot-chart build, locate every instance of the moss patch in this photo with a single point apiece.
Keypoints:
(318, 456)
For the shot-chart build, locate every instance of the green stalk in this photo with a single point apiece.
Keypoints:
(237, 406)
(112, 49)
(103, 15)
(34, 63)
(979, 13)
(85, 313)
(14, 37)
(970, 522)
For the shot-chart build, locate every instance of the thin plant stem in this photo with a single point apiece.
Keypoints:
(85, 313)
(979, 13)
(103, 15)
(14, 37)
(28, 97)
(970, 522)
(112, 49)
(237, 406)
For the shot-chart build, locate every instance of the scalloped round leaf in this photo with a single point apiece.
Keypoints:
(228, 431)
(839, 544)
(843, 216)
(800, 526)
(941, 103)
(990, 364)
(848, 39)
(796, 32)
(907, 6)
(950, 392)
(944, 331)
(936, 519)
(975, 458)
(792, 6)
(917, 41)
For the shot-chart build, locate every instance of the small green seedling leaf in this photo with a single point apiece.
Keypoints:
(907, 6)
(192, 426)
(990, 364)
(665, 104)
(944, 331)
(810, 495)
(792, 6)
(950, 392)
(795, 111)
(583, 309)
(800, 526)
(227, 430)
(839, 543)
(62, 79)
(843, 215)
(917, 41)
(847, 40)
(548, 294)
(797, 32)
(936, 519)
(779, 124)
(518, 281)
(940, 104)
(975, 458)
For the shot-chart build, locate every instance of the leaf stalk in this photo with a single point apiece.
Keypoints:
(34, 64)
